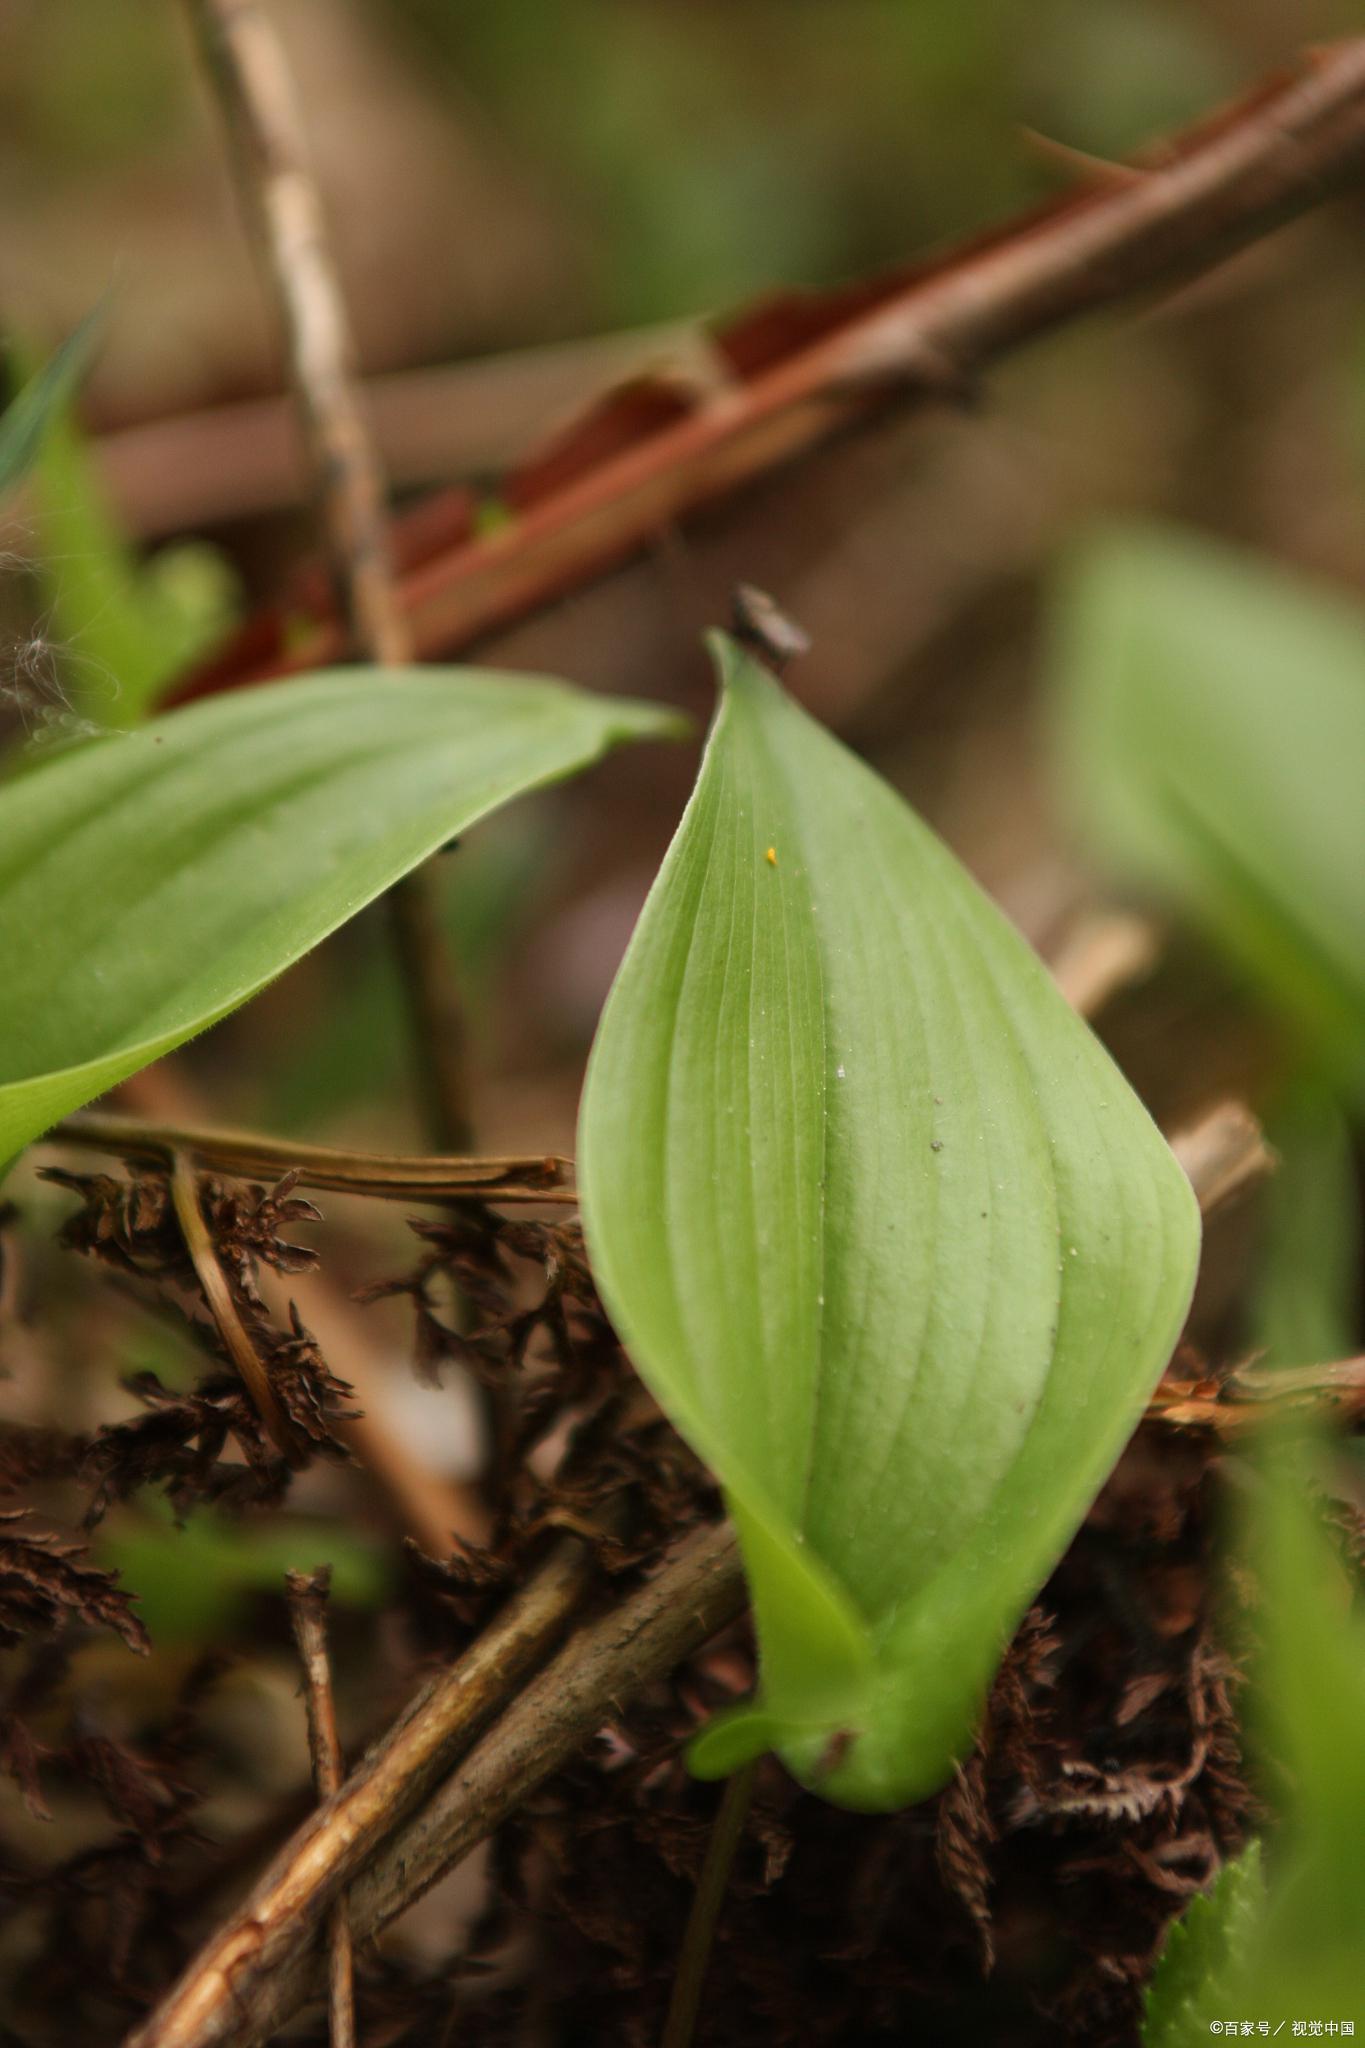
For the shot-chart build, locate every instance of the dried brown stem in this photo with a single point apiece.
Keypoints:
(1251, 1396)
(307, 1595)
(435, 1011)
(222, 1307)
(400, 1177)
(255, 91)
(1223, 1154)
(726, 1829)
(439, 1513)
(796, 373)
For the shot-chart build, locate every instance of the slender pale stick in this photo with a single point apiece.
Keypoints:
(307, 1594)
(250, 75)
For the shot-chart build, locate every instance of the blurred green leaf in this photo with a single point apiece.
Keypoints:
(1306, 1288)
(1309, 1701)
(151, 881)
(1212, 727)
(1212, 1935)
(118, 628)
(1296, 1951)
(194, 1582)
(884, 1230)
(1134, 70)
(32, 414)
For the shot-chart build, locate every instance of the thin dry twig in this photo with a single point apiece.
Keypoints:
(222, 1307)
(1102, 953)
(1223, 1154)
(292, 1899)
(242, 1995)
(1250, 1396)
(307, 1595)
(399, 1177)
(251, 79)
(791, 373)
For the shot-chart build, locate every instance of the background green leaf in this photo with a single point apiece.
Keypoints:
(1287, 1946)
(195, 1582)
(1212, 729)
(1306, 1295)
(28, 418)
(884, 1229)
(151, 881)
(1211, 1934)
(119, 627)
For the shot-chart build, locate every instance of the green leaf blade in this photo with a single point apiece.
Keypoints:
(884, 1230)
(1211, 725)
(152, 881)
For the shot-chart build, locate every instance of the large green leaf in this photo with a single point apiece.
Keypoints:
(1212, 726)
(151, 881)
(885, 1231)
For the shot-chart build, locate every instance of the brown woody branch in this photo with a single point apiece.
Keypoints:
(255, 92)
(784, 377)
(307, 1596)
(1251, 1396)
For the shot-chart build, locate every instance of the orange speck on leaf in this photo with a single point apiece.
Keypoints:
(771, 856)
